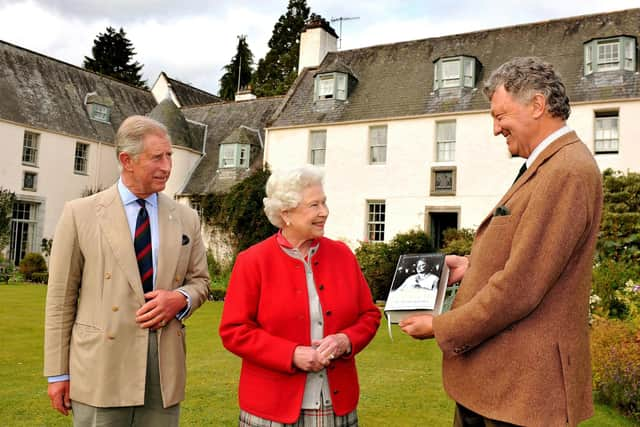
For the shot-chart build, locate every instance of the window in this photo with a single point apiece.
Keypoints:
(375, 221)
(81, 158)
(443, 181)
(30, 181)
(100, 113)
(606, 132)
(331, 86)
(377, 144)
(196, 205)
(234, 156)
(445, 141)
(24, 224)
(318, 147)
(459, 71)
(30, 144)
(618, 53)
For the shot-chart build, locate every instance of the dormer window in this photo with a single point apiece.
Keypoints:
(331, 86)
(616, 53)
(234, 156)
(100, 113)
(457, 71)
(98, 107)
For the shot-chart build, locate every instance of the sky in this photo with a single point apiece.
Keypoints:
(192, 40)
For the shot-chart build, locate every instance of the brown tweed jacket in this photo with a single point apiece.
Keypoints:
(516, 343)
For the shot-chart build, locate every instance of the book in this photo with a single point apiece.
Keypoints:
(419, 286)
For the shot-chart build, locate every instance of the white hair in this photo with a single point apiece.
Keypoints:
(284, 190)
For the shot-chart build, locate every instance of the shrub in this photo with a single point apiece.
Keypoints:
(616, 364)
(378, 259)
(32, 262)
(217, 294)
(458, 242)
(609, 280)
(40, 277)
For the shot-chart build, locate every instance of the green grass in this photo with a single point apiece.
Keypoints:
(400, 381)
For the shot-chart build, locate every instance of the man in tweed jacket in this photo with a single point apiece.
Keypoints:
(516, 342)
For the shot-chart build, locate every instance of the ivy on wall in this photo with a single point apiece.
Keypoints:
(240, 211)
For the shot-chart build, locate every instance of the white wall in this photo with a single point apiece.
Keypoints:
(484, 167)
(57, 182)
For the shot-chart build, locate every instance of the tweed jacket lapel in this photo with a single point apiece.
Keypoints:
(170, 242)
(553, 148)
(113, 222)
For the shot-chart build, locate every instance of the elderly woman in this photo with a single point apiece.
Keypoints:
(297, 311)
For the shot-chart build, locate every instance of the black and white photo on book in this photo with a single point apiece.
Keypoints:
(419, 286)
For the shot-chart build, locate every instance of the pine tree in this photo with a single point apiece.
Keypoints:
(279, 68)
(241, 63)
(113, 55)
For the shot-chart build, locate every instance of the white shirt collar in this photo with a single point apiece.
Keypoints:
(128, 197)
(545, 143)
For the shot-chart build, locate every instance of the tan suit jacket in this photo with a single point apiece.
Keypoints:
(95, 290)
(516, 343)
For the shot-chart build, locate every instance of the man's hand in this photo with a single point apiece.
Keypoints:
(419, 327)
(308, 359)
(332, 346)
(59, 394)
(161, 308)
(457, 267)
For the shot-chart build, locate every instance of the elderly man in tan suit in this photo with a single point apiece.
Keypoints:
(516, 342)
(127, 266)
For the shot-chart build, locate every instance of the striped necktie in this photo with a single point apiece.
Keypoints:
(142, 245)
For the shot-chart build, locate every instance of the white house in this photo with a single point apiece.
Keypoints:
(404, 133)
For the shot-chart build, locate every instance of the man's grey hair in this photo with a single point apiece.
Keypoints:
(523, 78)
(132, 130)
(284, 190)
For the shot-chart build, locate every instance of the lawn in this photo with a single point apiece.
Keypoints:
(400, 381)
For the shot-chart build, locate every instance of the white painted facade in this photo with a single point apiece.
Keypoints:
(57, 182)
(483, 166)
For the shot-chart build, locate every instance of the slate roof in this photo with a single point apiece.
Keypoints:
(396, 80)
(44, 93)
(223, 121)
(188, 95)
(183, 133)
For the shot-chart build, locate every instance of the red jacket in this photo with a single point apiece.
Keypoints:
(266, 316)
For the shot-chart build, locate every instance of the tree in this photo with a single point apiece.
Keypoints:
(6, 211)
(113, 55)
(242, 64)
(279, 68)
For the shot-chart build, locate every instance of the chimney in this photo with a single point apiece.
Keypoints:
(245, 94)
(317, 39)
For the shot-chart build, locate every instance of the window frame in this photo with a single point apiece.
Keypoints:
(30, 153)
(339, 85)
(376, 228)
(238, 161)
(314, 152)
(34, 181)
(464, 78)
(100, 113)
(434, 190)
(376, 145)
(626, 51)
(84, 160)
(440, 143)
(603, 117)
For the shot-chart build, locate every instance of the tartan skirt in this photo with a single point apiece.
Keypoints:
(322, 417)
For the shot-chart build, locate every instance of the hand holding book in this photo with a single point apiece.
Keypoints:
(419, 326)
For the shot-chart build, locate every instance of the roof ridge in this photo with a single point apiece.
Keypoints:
(493, 29)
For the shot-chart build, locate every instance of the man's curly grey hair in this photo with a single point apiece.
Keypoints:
(524, 77)
(284, 190)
